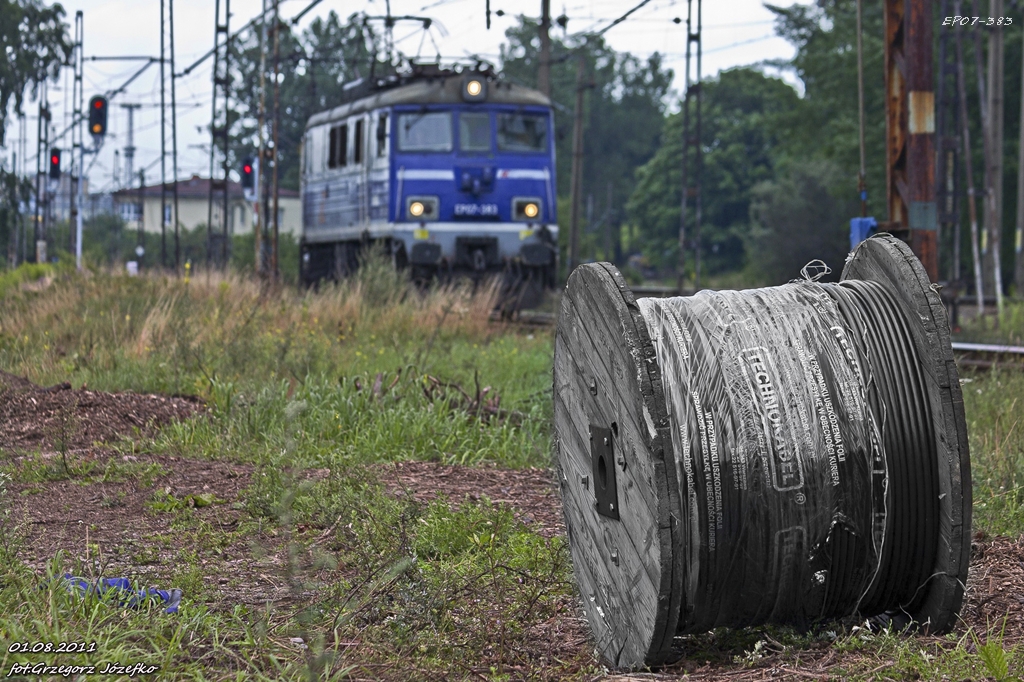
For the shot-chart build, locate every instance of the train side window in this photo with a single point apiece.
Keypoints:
(357, 148)
(382, 134)
(332, 148)
(337, 149)
(342, 154)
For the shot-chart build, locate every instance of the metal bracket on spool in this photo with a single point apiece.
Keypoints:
(603, 467)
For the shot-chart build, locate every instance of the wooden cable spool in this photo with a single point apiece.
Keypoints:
(622, 492)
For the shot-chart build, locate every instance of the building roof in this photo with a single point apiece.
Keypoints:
(193, 188)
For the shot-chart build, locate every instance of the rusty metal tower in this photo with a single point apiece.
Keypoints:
(947, 145)
(910, 129)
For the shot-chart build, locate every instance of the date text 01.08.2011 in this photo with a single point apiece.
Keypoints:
(51, 648)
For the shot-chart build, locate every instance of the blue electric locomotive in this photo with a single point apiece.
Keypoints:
(450, 171)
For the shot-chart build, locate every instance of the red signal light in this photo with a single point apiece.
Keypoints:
(98, 104)
(55, 163)
(247, 168)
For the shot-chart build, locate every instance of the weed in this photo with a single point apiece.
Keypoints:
(125, 468)
(113, 501)
(10, 532)
(65, 430)
(995, 425)
(39, 468)
(165, 501)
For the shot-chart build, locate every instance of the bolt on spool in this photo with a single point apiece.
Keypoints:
(797, 453)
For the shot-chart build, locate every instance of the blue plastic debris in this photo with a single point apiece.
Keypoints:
(861, 229)
(125, 595)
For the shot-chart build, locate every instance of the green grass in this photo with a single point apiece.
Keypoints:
(994, 403)
(27, 273)
(341, 380)
(315, 393)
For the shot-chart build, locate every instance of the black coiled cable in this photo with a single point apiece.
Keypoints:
(899, 400)
(879, 552)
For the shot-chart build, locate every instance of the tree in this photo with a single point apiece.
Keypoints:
(748, 119)
(315, 65)
(35, 43)
(825, 37)
(796, 218)
(623, 116)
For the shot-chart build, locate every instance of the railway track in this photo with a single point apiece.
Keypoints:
(987, 355)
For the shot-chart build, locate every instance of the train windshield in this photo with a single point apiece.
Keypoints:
(425, 132)
(475, 132)
(521, 132)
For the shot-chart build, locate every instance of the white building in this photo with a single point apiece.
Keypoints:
(193, 206)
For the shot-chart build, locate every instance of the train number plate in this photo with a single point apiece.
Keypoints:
(476, 209)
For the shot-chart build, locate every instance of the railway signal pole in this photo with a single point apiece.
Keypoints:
(544, 67)
(577, 167)
(259, 213)
(42, 145)
(77, 142)
(174, 140)
(277, 125)
(219, 135)
(163, 146)
(910, 129)
(691, 90)
(129, 150)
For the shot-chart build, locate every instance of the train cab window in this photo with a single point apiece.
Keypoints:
(337, 154)
(522, 132)
(425, 131)
(357, 144)
(475, 132)
(382, 134)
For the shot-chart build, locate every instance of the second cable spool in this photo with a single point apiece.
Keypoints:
(776, 455)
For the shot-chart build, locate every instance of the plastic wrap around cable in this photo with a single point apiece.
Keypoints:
(793, 442)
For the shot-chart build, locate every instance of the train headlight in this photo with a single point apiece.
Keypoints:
(526, 208)
(421, 208)
(474, 88)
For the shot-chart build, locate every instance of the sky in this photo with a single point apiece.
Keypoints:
(735, 32)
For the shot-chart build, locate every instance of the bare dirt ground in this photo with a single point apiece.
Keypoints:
(32, 417)
(109, 527)
(529, 492)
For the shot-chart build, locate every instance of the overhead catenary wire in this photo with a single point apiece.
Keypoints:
(252, 23)
(619, 20)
